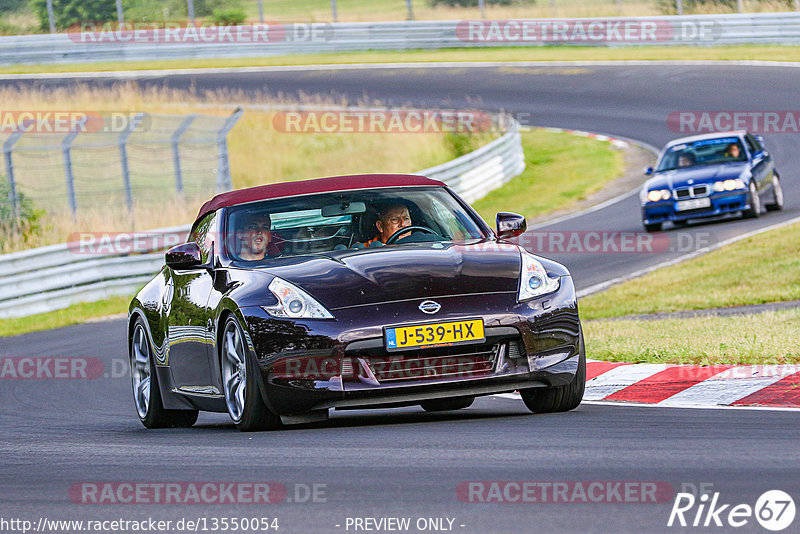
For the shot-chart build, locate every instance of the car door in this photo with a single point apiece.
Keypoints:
(761, 162)
(188, 317)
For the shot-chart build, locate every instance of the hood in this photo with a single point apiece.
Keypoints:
(426, 270)
(698, 175)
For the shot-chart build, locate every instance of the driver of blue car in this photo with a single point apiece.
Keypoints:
(391, 218)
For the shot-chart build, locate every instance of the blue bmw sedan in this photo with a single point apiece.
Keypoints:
(708, 176)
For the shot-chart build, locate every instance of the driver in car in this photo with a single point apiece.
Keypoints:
(256, 237)
(390, 219)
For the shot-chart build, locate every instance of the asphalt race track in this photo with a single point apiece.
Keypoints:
(405, 462)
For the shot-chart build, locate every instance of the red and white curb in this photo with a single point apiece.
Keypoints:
(618, 143)
(693, 386)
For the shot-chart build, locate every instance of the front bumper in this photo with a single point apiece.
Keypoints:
(314, 365)
(721, 204)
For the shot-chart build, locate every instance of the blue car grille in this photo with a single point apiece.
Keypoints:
(691, 192)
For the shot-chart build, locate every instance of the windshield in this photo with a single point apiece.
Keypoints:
(330, 222)
(705, 152)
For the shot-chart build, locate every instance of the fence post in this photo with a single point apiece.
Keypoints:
(176, 156)
(66, 149)
(261, 11)
(190, 9)
(50, 16)
(679, 7)
(120, 14)
(8, 148)
(482, 7)
(123, 157)
(334, 11)
(410, 10)
(224, 181)
(740, 6)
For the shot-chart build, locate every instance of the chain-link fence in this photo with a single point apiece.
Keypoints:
(68, 163)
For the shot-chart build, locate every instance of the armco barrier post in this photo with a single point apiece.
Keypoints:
(224, 181)
(66, 150)
(176, 155)
(123, 157)
(8, 148)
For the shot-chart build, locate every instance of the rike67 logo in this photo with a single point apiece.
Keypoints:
(774, 510)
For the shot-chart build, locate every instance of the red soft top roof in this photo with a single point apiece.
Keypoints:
(319, 185)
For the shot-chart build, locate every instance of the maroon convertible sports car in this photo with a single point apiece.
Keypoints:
(350, 292)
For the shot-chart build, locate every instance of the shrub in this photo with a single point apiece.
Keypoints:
(228, 17)
(70, 12)
(24, 227)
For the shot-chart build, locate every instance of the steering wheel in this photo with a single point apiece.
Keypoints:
(413, 228)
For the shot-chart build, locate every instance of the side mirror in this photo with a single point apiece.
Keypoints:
(510, 225)
(184, 256)
(648, 171)
(760, 139)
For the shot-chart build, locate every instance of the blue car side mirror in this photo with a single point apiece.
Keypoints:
(648, 171)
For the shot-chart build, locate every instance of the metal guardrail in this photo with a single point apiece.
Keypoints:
(54, 277)
(278, 39)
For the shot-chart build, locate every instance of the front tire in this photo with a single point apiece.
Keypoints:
(755, 203)
(655, 227)
(445, 405)
(240, 382)
(559, 398)
(146, 391)
(777, 195)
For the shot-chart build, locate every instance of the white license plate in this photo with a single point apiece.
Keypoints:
(693, 204)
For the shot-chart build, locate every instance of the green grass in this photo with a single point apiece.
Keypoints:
(77, 313)
(534, 53)
(762, 268)
(560, 169)
(759, 269)
(766, 338)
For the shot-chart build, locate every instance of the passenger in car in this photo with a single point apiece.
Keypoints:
(256, 238)
(733, 151)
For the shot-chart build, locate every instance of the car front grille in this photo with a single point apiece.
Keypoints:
(691, 192)
(462, 362)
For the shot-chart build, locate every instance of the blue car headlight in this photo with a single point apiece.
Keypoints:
(294, 303)
(533, 280)
(729, 185)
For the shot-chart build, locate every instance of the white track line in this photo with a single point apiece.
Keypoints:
(516, 397)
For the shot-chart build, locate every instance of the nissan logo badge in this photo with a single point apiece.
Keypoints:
(430, 307)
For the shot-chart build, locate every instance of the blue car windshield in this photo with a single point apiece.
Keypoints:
(329, 222)
(704, 152)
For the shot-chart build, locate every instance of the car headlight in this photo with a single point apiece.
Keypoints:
(658, 194)
(533, 280)
(729, 185)
(294, 303)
